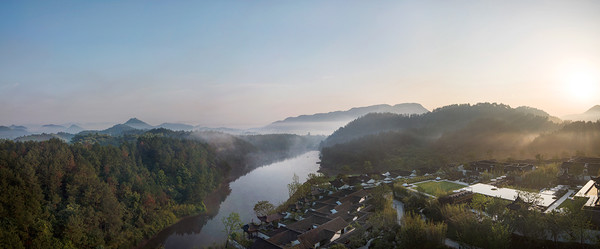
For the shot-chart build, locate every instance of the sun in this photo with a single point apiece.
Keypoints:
(582, 82)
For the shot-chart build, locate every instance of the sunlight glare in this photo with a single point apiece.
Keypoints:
(581, 82)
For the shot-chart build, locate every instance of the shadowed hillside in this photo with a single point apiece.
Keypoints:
(455, 133)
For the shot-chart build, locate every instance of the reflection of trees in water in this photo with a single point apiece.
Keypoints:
(193, 224)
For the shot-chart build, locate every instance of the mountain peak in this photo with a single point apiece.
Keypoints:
(138, 124)
(74, 129)
(134, 121)
(595, 109)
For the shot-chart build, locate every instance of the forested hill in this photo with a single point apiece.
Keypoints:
(440, 121)
(456, 133)
(56, 195)
(108, 192)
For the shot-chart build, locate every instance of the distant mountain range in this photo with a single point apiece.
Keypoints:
(12, 132)
(327, 123)
(176, 126)
(593, 114)
(52, 128)
(319, 123)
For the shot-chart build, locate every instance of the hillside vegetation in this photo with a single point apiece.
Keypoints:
(455, 133)
(112, 192)
(57, 195)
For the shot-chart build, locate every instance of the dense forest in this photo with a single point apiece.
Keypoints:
(455, 134)
(112, 192)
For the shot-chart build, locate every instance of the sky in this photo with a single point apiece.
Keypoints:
(249, 63)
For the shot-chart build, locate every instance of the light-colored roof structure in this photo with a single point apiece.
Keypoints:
(506, 193)
(588, 190)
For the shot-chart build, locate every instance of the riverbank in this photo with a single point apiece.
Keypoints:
(267, 182)
(211, 202)
(192, 224)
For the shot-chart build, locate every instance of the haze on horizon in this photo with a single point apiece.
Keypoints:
(249, 63)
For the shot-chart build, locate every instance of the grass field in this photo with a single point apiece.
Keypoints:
(438, 188)
(576, 204)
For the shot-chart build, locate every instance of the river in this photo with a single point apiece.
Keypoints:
(268, 182)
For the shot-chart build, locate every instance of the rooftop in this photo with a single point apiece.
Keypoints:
(507, 193)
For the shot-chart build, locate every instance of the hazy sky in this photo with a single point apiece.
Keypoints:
(248, 63)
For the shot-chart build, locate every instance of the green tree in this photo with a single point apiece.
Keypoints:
(496, 207)
(499, 236)
(579, 225)
(479, 202)
(556, 223)
(263, 208)
(231, 223)
(418, 233)
(294, 185)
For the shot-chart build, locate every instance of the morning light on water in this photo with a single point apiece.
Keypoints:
(299, 124)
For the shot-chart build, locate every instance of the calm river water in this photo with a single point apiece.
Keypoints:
(265, 183)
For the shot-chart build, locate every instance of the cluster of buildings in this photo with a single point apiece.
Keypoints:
(491, 165)
(472, 172)
(330, 216)
(368, 181)
(323, 218)
(574, 172)
(578, 170)
(582, 169)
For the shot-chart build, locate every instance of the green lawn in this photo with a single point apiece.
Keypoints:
(438, 188)
(573, 204)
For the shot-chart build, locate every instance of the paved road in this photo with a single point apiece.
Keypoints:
(559, 201)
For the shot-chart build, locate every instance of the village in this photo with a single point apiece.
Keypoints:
(330, 213)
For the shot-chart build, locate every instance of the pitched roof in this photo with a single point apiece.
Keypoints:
(323, 232)
(283, 238)
(356, 196)
(343, 208)
(308, 223)
(330, 200)
(261, 243)
(367, 208)
(326, 210)
(319, 205)
(342, 193)
(271, 233)
(344, 215)
(271, 217)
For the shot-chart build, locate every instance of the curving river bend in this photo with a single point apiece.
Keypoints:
(264, 183)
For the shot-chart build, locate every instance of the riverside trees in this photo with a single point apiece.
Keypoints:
(57, 195)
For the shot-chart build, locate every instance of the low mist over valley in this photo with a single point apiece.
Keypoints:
(456, 133)
(299, 124)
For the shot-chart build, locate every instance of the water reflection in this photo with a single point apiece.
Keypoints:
(264, 183)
